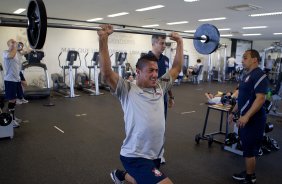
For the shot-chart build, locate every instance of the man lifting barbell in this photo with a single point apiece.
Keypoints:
(12, 81)
(142, 103)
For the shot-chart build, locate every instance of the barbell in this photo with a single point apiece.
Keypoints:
(205, 40)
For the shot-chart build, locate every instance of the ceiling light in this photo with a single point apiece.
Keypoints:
(95, 19)
(118, 14)
(224, 29)
(253, 34)
(265, 14)
(190, 1)
(277, 33)
(19, 11)
(174, 23)
(226, 35)
(190, 31)
(150, 8)
(152, 25)
(212, 19)
(255, 27)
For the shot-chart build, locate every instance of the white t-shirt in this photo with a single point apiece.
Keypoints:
(269, 63)
(215, 100)
(12, 67)
(231, 62)
(144, 117)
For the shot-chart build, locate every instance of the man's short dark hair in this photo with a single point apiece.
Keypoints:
(155, 37)
(254, 54)
(199, 61)
(143, 60)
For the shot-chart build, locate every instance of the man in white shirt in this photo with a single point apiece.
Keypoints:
(231, 66)
(268, 64)
(12, 81)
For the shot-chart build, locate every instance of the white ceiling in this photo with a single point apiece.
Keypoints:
(174, 10)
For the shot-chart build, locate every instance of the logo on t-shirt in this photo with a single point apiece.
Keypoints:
(167, 63)
(157, 172)
(247, 79)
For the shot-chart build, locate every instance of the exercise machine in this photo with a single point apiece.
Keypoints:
(275, 51)
(34, 59)
(59, 82)
(119, 63)
(84, 82)
(276, 97)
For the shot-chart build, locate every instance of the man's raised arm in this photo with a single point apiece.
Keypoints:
(178, 59)
(108, 74)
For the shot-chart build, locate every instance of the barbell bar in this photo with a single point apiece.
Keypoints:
(206, 38)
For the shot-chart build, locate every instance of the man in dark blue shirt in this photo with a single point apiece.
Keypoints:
(252, 90)
(158, 47)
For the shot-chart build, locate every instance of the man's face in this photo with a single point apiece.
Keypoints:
(12, 44)
(159, 45)
(248, 61)
(148, 75)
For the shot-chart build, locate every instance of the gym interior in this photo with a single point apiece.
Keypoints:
(72, 127)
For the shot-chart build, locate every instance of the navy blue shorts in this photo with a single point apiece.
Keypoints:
(230, 69)
(143, 170)
(252, 135)
(13, 90)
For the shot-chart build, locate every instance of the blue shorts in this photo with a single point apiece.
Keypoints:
(13, 90)
(143, 170)
(230, 69)
(252, 135)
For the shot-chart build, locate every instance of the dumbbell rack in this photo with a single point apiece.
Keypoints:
(210, 136)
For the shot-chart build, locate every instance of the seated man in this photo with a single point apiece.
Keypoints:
(193, 70)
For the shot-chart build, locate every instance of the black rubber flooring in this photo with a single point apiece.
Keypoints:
(93, 130)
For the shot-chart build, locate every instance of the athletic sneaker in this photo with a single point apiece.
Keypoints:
(15, 124)
(240, 176)
(18, 120)
(245, 178)
(19, 102)
(250, 179)
(115, 178)
(24, 100)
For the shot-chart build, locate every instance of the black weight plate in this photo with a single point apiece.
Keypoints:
(5, 119)
(211, 44)
(37, 24)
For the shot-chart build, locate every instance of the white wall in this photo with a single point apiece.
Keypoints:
(84, 41)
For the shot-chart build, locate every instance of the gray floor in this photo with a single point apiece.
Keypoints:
(93, 132)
